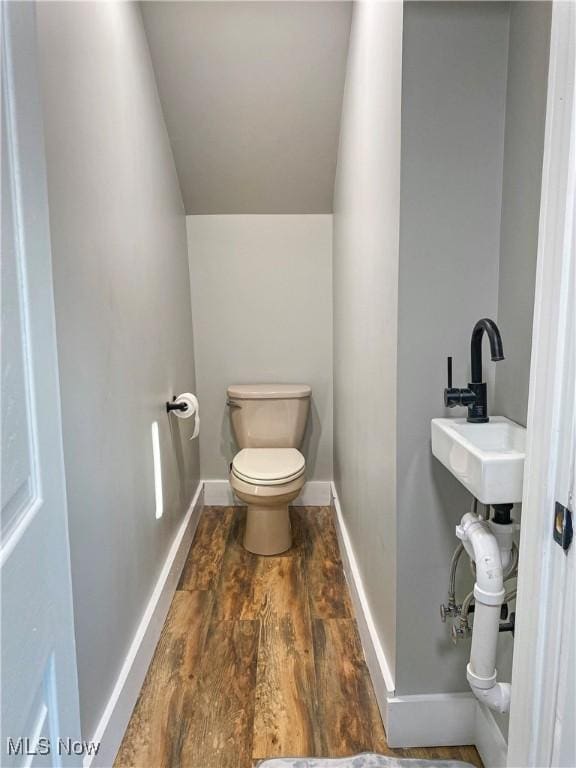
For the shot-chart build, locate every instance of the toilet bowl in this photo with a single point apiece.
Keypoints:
(267, 479)
(268, 472)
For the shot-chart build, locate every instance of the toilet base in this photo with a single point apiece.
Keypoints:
(268, 530)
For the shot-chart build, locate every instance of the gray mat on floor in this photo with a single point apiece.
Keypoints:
(365, 760)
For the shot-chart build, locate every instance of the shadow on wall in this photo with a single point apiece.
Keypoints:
(453, 501)
(309, 448)
(177, 447)
(185, 451)
(227, 443)
(312, 439)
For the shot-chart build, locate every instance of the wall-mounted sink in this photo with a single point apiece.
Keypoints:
(488, 459)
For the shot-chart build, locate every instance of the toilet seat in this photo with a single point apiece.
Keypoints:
(268, 466)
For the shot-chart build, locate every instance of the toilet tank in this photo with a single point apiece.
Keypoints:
(269, 415)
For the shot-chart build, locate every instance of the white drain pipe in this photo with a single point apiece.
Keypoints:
(484, 548)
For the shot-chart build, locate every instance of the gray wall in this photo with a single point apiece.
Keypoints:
(252, 93)
(261, 294)
(523, 151)
(123, 321)
(366, 221)
(453, 107)
(529, 47)
(471, 115)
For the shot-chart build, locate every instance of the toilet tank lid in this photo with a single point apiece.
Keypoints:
(268, 391)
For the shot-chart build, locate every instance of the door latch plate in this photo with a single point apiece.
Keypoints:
(562, 531)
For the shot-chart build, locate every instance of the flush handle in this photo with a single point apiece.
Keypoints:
(232, 404)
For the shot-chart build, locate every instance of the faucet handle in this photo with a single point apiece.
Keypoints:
(452, 397)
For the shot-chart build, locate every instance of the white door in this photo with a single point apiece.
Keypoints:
(39, 689)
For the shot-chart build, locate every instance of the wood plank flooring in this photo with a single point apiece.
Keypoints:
(259, 657)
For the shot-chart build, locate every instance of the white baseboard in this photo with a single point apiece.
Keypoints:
(116, 715)
(316, 493)
(440, 719)
(489, 739)
(380, 672)
(218, 493)
(443, 720)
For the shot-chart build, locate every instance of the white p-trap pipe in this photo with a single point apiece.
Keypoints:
(483, 547)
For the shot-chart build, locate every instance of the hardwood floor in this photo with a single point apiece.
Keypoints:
(259, 657)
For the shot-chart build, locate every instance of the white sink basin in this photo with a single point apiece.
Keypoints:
(488, 459)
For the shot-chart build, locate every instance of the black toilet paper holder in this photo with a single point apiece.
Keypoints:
(174, 406)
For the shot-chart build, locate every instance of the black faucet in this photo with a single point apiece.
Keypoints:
(475, 396)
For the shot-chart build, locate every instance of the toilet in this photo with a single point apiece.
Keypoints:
(268, 422)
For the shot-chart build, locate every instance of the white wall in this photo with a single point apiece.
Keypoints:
(366, 222)
(123, 321)
(261, 294)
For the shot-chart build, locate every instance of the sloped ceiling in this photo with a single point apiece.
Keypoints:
(252, 94)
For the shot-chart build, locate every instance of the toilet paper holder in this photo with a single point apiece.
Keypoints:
(173, 406)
